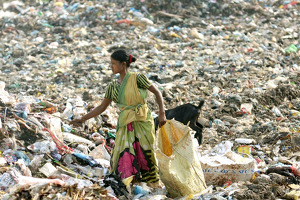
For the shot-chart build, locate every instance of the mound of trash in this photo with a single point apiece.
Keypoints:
(241, 57)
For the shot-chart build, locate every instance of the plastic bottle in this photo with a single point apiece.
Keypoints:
(86, 159)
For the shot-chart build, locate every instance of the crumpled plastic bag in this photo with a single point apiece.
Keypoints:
(27, 180)
(4, 96)
(14, 177)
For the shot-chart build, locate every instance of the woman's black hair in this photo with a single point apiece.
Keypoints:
(122, 56)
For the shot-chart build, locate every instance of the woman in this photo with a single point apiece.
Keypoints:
(133, 153)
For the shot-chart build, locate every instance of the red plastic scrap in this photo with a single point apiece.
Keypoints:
(295, 171)
(292, 4)
(60, 145)
(125, 21)
(227, 183)
(257, 160)
(249, 50)
(245, 111)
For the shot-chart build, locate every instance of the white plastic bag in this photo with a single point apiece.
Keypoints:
(4, 96)
(69, 137)
(55, 127)
(45, 146)
(100, 153)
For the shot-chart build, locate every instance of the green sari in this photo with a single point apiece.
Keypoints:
(133, 154)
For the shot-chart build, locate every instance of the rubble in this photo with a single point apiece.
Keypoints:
(241, 57)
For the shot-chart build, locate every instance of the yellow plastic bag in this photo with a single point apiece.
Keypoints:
(166, 147)
(179, 167)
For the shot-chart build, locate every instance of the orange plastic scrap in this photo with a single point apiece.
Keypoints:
(125, 21)
(167, 148)
(50, 110)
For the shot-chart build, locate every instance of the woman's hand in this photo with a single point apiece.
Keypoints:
(97, 111)
(77, 121)
(162, 119)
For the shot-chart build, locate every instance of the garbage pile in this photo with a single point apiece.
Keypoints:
(241, 57)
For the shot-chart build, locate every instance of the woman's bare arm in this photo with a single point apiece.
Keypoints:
(159, 99)
(95, 112)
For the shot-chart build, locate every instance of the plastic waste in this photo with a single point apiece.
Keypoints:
(294, 113)
(55, 127)
(80, 183)
(86, 159)
(140, 190)
(42, 147)
(221, 165)
(2, 162)
(6, 181)
(276, 111)
(48, 170)
(244, 140)
(36, 162)
(245, 150)
(74, 138)
(4, 96)
(100, 152)
(20, 164)
(66, 128)
(13, 156)
(174, 145)
(55, 57)
(291, 48)
(26, 180)
(68, 112)
(246, 108)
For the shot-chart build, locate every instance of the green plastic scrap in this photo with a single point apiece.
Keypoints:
(291, 48)
(111, 135)
(47, 25)
(17, 85)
